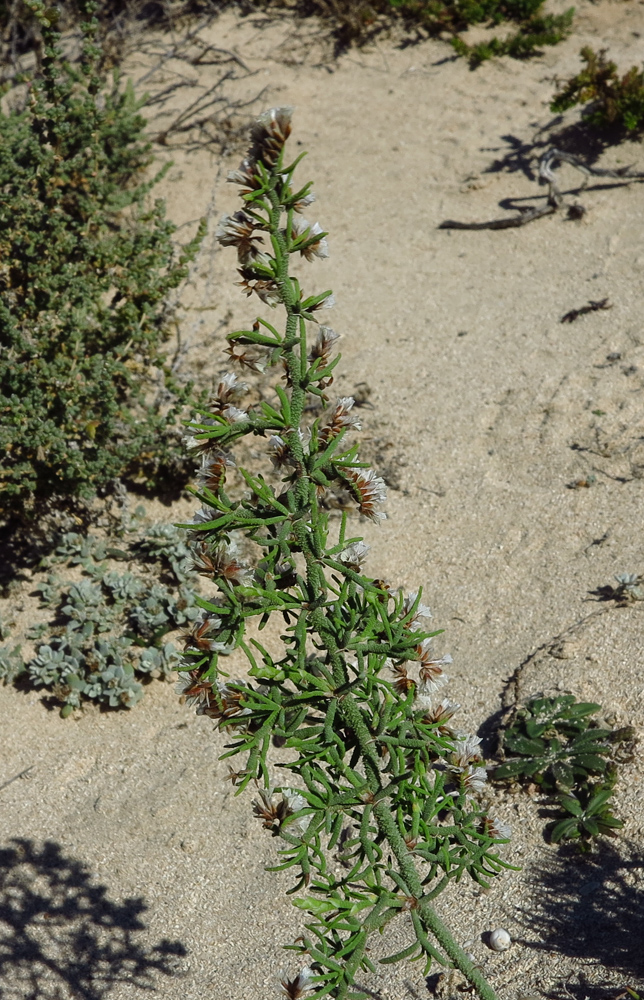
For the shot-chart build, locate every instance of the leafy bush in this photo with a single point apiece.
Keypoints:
(107, 632)
(85, 393)
(615, 101)
(553, 743)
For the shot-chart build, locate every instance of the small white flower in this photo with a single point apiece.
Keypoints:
(466, 750)
(213, 469)
(303, 203)
(269, 133)
(296, 988)
(474, 779)
(369, 490)
(234, 415)
(423, 701)
(354, 554)
(238, 231)
(244, 175)
(300, 228)
(498, 830)
(280, 451)
(230, 386)
(422, 611)
(203, 515)
(441, 713)
(431, 671)
(323, 345)
(295, 801)
(340, 419)
(429, 685)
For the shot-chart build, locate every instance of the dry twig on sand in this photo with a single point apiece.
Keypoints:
(548, 162)
(593, 306)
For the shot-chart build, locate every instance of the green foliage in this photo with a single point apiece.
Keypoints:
(85, 271)
(107, 631)
(554, 743)
(535, 32)
(377, 809)
(589, 813)
(356, 19)
(616, 102)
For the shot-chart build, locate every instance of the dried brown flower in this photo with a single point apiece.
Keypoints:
(200, 635)
(266, 289)
(194, 689)
(212, 473)
(369, 490)
(323, 345)
(238, 230)
(402, 682)
(246, 176)
(269, 134)
(252, 357)
(339, 419)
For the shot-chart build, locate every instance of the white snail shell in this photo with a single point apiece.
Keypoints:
(500, 940)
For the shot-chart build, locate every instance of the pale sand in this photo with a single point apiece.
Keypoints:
(477, 432)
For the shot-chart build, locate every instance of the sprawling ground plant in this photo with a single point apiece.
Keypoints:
(377, 806)
(85, 272)
(556, 744)
(103, 635)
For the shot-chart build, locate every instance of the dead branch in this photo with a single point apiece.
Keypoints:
(548, 163)
(592, 306)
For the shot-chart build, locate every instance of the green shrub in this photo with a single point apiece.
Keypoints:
(535, 32)
(357, 18)
(85, 271)
(616, 101)
(350, 20)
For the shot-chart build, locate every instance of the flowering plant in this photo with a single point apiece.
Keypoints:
(377, 813)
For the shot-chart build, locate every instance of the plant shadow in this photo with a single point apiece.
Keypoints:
(589, 907)
(62, 937)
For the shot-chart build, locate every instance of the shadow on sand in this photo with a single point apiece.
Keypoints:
(62, 937)
(590, 907)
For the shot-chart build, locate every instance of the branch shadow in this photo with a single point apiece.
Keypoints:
(61, 937)
(589, 907)
(580, 139)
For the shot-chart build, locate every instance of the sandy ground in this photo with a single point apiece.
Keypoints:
(487, 416)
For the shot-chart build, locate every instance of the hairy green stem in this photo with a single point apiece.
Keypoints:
(351, 714)
(359, 710)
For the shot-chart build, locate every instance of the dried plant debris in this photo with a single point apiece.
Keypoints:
(592, 306)
(548, 163)
(106, 633)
